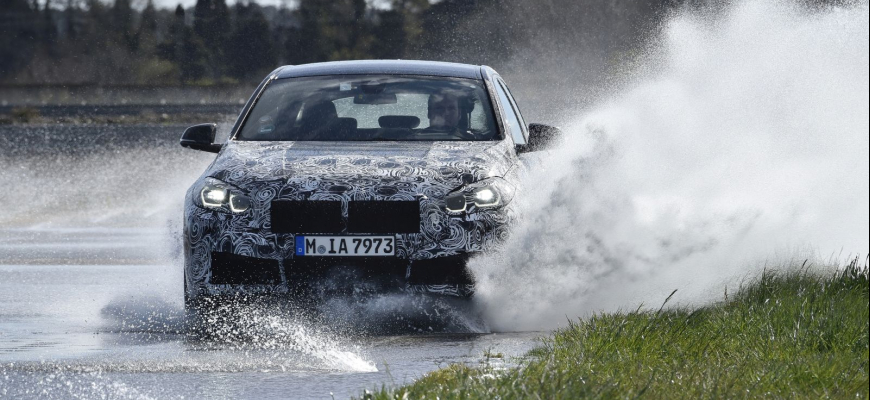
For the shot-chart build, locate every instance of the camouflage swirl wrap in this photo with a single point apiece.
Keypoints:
(344, 172)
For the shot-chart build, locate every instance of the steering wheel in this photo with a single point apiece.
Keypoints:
(392, 135)
(467, 135)
(462, 134)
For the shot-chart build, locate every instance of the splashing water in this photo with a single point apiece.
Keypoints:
(283, 338)
(401, 314)
(744, 138)
(103, 213)
(271, 337)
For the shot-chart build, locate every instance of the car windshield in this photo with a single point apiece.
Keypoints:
(371, 107)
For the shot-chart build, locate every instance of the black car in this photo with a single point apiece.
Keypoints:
(385, 175)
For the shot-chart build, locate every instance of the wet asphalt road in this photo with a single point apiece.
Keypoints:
(91, 290)
(78, 321)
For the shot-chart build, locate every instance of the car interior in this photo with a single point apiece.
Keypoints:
(371, 112)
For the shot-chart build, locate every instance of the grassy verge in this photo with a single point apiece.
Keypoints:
(783, 335)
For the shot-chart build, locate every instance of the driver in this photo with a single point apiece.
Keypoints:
(444, 112)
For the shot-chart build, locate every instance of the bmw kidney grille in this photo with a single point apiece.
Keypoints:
(374, 217)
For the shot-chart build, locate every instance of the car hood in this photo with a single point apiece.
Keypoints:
(361, 169)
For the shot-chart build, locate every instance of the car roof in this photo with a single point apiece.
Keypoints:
(389, 67)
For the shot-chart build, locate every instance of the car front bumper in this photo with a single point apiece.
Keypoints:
(227, 255)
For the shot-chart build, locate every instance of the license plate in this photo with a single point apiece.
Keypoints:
(331, 246)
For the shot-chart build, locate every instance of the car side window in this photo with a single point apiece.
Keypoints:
(516, 107)
(512, 122)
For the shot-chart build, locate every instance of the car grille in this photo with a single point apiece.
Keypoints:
(375, 217)
(232, 269)
(314, 269)
(383, 216)
(306, 216)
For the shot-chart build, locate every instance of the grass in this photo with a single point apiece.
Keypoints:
(786, 335)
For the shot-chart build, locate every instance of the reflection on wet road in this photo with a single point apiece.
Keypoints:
(91, 289)
(84, 314)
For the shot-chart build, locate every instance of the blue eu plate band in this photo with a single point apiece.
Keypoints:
(300, 245)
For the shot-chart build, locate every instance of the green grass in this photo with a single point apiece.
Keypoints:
(787, 335)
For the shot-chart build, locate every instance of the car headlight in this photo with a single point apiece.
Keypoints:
(218, 195)
(486, 194)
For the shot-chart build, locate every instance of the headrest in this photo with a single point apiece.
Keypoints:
(466, 104)
(399, 121)
(319, 111)
(347, 123)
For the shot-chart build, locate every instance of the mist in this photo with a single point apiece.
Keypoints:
(739, 143)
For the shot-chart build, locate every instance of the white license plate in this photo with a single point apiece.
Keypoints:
(332, 246)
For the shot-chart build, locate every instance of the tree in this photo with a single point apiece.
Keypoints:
(121, 15)
(338, 30)
(183, 48)
(399, 29)
(307, 44)
(211, 24)
(146, 34)
(251, 48)
(18, 22)
(69, 14)
(440, 23)
(93, 34)
(193, 57)
(390, 31)
(49, 31)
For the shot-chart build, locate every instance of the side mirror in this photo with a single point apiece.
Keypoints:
(201, 137)
(540, 137)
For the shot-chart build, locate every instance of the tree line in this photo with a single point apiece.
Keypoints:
(92, 42)
(110, 42)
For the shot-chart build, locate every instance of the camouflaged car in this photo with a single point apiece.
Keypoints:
(359, 174)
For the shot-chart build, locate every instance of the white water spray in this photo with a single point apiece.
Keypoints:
(743, 140)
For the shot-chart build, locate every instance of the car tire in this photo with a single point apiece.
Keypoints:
(196, 312)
